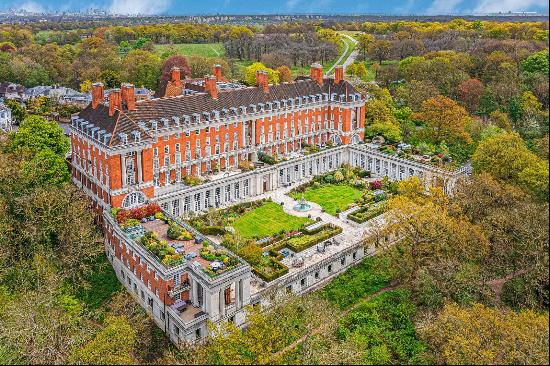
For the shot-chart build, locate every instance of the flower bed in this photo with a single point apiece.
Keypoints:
(210, 254)
(138, 213)
(161, 249)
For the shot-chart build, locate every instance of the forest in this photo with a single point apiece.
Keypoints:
(468, 284)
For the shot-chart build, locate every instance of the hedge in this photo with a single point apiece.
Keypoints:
(212, 230)
(279, 270)
(300, 243)
(366, 213)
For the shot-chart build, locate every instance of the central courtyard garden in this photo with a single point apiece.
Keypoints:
(263, 234)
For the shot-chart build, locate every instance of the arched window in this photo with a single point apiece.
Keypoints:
(336, 140)
(133, 199)
(355, 139)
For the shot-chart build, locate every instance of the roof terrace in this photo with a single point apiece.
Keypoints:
(173, 243)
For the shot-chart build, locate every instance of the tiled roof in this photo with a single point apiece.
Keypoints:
(163, 110)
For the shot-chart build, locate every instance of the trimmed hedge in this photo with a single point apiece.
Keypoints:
(366, 213)
(213, 230)
(300, 243)
(279, 269)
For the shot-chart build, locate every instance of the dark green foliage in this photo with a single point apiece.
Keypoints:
(382, 328)
(102, 284)
(368, 277)
(266, 158)
(213, 230)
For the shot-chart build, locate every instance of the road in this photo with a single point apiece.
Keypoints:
(349, 60)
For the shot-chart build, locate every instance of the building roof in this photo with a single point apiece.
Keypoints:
(168, 111)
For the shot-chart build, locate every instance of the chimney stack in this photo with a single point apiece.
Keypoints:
(338, 74)
(211, 86)
(115, 101)
(176, 75)
(97, 94)
(261, 80)
(217, 72)
(128, 96)
(316, 73)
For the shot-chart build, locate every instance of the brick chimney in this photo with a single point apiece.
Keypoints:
(211, 86)
(316, 73)
(97, 94)
(261, 80)
(217, 72)
(338, 74)
(115, 101)
(128, 96)
(176, 76)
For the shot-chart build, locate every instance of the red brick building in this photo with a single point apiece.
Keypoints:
(123, 152)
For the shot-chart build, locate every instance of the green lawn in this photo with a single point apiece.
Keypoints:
(192, 49)
(331, 196)
(267, 220)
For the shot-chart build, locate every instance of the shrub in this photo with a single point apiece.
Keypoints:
(271, 272)
(266, 158)
(213, 230)
(375, 185)
(300, 243)
(130, 223)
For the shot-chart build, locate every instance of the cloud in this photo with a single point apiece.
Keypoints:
(495, 6)
(291, 4)
(440, 7)
(31, 7)
(145, 7)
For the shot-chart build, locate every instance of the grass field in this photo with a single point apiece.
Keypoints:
(267, 220)
(331, 197)
(192, 49)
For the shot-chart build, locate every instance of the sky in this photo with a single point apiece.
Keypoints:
(191, 7)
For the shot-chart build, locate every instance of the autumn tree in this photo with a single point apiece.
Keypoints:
(285, 75)
(486, 336)
(437, 249)
(415, 92)
(250, 74)
(470, 92)
(202, 66)
(142, 68)
(506, 157)
(444, 120)
(516, 225)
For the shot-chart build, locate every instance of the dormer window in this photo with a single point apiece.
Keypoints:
(176, 120)
(107, 138)
(196, 117)
(137, 136)
(165, 122)
(123, 138)
(154, 124)
(206, 116)
(186, 119)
